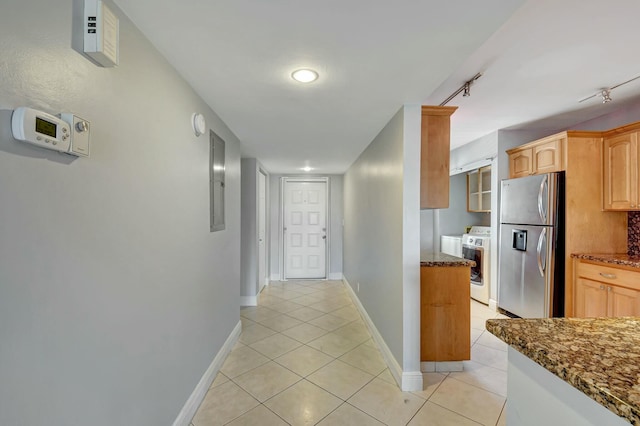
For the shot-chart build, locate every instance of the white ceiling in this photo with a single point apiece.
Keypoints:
(538, 59)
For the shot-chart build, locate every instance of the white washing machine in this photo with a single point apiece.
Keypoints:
(476, 246)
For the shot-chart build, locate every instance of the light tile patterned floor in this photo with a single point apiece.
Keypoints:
(305, 357)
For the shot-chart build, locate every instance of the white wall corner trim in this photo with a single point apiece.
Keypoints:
(248, 300)
(198, 394)
(336, 276)
(411, 381)
(493, 304)
(410, 378)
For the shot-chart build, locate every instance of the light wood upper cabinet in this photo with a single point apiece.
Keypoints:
(606, 291)
(434, 157)
(543, 156)
(521, 163)
(620, 172)
(547, 156)
(479, 190)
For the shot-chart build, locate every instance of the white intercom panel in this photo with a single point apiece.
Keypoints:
(66, 133)
(101, 33)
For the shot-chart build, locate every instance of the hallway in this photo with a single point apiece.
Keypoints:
(305, 357)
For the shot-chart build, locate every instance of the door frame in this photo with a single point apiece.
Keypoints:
(281, 249)
(267, 268)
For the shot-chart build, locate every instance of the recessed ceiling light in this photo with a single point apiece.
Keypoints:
(304, 75)
(306, 169)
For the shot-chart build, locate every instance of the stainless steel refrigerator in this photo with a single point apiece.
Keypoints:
(531, 256)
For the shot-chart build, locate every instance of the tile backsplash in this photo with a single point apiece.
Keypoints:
(633, 238)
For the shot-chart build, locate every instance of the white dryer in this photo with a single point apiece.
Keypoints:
(476, 246)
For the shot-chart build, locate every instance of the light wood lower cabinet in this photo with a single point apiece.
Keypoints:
(445, 313)
(605, 291)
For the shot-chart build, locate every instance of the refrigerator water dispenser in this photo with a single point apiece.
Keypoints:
(519, 240)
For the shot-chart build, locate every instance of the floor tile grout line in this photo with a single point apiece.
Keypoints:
(504, 407)
(478, 387)
(417, 411)
(457, 413)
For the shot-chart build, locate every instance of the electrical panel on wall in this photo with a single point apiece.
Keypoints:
(66, 133)
(101, 33)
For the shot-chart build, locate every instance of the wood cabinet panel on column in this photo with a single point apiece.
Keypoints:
(445, 313)
(434, 157)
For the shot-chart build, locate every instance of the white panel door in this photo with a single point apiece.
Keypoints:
(305, 229)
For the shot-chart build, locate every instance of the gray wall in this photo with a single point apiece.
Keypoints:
(114, 295)
(373, 232)
(335, 220)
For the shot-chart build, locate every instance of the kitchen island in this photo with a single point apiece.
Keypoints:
(445, 311)
(577, 371)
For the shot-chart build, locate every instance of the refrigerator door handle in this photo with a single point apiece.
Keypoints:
(542, 262)
(541, 203)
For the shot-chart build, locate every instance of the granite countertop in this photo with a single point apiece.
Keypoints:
(442, 259)
(613, 259)
(598, 356)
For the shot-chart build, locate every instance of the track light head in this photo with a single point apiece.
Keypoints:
(467, 89)
(606, 95)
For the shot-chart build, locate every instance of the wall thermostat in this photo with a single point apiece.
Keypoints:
(66, 133)
(41, 129)
(101, 33)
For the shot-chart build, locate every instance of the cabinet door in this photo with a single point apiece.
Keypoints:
(623, 302)
(547, 157)
(591, 299)
(521, 163)
(620, 177)
(473, 191)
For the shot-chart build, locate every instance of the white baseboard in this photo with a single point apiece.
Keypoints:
(248, 300)
(198, 394)
(493, 304)
(335, 276)
(441, 366)
(389, 359)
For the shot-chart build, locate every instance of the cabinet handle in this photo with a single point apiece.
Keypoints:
(609, 288)
(601, 287)
(609, 276)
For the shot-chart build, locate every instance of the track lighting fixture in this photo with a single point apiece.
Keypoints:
(606, 92)
(466, 88)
